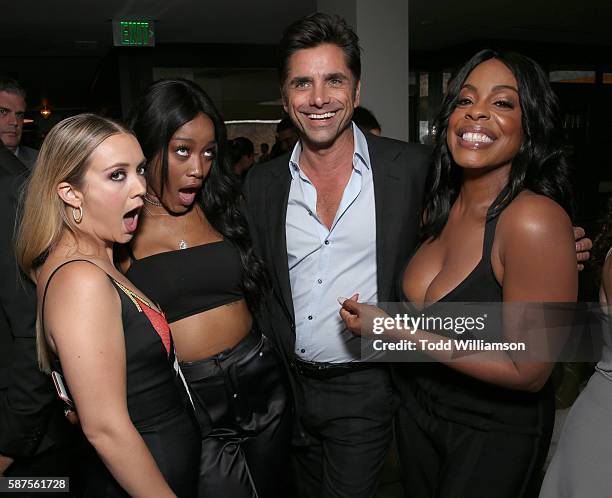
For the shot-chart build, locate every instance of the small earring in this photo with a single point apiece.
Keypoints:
(76, 210)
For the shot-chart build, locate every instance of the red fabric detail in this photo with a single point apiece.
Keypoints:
(158, 320)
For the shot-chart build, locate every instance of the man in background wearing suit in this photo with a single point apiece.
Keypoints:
(12, 112)
(337, 213)
(34, 436)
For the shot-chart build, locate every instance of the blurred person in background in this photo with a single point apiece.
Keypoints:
(286, 138)
(365, 119)
(242, 155)
(12, 112)
(265, 153)
(35, 438)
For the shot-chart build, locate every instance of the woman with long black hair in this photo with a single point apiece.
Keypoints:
(495, 229)
(193, 255)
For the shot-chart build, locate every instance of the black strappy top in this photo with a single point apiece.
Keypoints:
(432, 387)
(153, 392)
(189, 281)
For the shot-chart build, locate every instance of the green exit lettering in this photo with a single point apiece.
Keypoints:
(134, 33)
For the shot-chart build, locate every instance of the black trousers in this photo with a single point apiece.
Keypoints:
(445, 459)
(242, 394)
(348, 420)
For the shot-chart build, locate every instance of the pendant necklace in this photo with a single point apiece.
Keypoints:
(182, 242)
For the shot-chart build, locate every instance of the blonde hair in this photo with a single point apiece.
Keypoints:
(63, 157)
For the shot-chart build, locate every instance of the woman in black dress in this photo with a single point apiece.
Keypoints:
(495, 229)
(112, 345)
(193, 255)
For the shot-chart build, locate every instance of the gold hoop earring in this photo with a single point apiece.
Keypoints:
(74, 216)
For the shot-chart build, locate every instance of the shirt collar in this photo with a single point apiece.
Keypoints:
(361, 154)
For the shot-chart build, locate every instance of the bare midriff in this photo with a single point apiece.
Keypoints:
(212, 331)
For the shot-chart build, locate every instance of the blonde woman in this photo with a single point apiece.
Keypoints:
(112, 345)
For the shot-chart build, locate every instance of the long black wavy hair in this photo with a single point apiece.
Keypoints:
(166, 106)
(540, 164)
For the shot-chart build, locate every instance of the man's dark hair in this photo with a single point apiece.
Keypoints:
(539, 165)
(365, 119)
(314, 30)
(11, 85)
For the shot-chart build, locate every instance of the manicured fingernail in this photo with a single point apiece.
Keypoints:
(341, 300)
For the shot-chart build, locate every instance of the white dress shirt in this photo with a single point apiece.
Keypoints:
(325, 264)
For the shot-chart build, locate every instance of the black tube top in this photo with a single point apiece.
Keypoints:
(189, 281)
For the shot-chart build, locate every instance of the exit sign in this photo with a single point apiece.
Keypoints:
(133, 33)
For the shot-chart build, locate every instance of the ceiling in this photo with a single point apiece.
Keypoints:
(58, 47)
(437, 24)
(83, 27)
(68, 27)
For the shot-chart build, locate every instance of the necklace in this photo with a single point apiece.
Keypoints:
(182, 242)
(151, 200)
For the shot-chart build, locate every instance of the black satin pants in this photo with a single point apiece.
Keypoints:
(242, 394)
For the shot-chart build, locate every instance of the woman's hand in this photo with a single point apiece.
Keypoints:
(359, 317)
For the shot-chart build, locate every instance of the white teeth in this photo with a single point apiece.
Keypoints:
(476, 137)
(322, 116)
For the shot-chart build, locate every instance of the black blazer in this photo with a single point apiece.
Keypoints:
(399, 171)
(9, 164)
(27, 398)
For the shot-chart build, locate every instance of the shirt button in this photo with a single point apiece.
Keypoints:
(327, 242)
(310, 317)
(320, 281)
(302, 350)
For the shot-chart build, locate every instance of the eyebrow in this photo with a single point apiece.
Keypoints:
(333, 76)
(187, 139)
(300, 79)
(326, 77)
(125, 165)
(2, 108)
(116, 165)
(496, 88)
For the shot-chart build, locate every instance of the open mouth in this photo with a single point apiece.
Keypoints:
(476, 137)
(322, 116)
(130, 220)
(187, 195)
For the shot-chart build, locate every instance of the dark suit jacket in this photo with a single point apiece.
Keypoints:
(26, 394)
(399, 171)
(9, 164)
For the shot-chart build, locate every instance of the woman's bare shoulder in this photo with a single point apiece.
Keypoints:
(531, 214)
(77, 281)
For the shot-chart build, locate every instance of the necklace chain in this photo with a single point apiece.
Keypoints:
(182, 242)
(151, 200)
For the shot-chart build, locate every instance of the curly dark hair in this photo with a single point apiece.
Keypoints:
(540, 165)
(166, 106)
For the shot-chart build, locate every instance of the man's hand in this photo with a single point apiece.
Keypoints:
(583, 246)
(359, 317)
(5, 463)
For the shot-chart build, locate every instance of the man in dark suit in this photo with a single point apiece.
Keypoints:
(32, 425)
(12, 113)
(338, 215)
